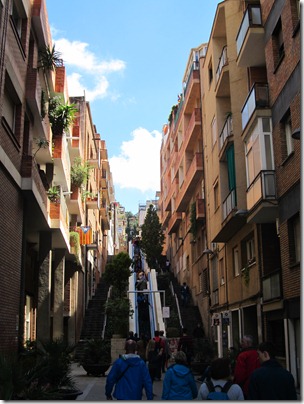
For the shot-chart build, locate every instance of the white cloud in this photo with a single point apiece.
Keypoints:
(138, 165)
(78, 56)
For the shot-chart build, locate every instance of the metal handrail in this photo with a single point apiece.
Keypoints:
(105, 316)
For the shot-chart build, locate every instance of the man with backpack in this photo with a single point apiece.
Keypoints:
(220, 386)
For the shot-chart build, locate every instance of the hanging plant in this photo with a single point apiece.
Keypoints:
(193, 222)
(75, 243)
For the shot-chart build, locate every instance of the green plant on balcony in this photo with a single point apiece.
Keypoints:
(53, 194)
(79, 172)
(193, 221)
(42, 144)
(61, 115)
(49, 58)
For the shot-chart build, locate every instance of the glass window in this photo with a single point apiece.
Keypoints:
(236, 263)
(214, 131)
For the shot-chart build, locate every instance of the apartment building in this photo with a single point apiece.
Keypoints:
(281, 287)
(182, 198)
(54, 240)
(240, 255)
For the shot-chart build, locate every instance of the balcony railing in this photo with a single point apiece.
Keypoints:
(262, 188)
(226, 131)
(252, 18)
(257, 98)
(272, 286)
(229, 203)
(223, 62)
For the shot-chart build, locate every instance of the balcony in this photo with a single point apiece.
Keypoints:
(59, 222)
(200, 209)
(193, 129)
(40, 22)
(225, 137)
(75, 205)
(222, 88)
(250, 39)
(174, 222)
(193, 175)
(192, 89)
(262, 198)
(105, 220)
(258, 98)
(103, 151)
(272, 287)
(171, 192)
(92, 202)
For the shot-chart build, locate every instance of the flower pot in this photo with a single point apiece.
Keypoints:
(95, 369)
(69, 394)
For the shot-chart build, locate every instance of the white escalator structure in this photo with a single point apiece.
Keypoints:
(148, 313)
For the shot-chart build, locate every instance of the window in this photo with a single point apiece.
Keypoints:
(236, 263)
(248, 250)
(278, 43)
(216, 196)
(222, 271)
(294, 231)
(214, 131)
(210, 72)
(11, 108)
(259, 150)
(205, 287)
(17, 20)
(287, 138)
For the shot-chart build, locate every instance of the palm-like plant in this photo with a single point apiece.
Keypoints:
(49, 58)
(61, 115)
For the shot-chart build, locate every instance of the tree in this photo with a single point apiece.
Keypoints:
(117, 273)
(152, 238)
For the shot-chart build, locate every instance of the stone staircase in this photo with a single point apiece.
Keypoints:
(190, 315)
(94, 317)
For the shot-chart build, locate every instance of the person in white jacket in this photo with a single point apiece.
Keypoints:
(220, 374)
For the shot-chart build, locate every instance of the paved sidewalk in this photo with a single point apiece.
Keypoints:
(93, 388)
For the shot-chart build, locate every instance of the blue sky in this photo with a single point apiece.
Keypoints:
(128, 58)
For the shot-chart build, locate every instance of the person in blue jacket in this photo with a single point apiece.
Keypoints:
(179, 383)
(129, 374)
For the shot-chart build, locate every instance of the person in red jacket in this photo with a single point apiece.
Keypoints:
(246, 362)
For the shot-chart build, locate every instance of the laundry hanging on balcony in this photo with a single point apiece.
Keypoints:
(85, 235)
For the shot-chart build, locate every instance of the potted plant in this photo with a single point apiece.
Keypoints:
(61, 115)
(38, 373)
(79, 172)
(97, 356)
(49, 58)
(53, 194)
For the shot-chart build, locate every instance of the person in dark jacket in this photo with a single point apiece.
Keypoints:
(179, 383)
(246, 362)
(129, 374)
(271, 381)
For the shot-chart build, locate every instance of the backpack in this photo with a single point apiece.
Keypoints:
(158, 345)
(218, 395)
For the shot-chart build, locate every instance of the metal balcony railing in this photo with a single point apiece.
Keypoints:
(252, 18)
(258, 97)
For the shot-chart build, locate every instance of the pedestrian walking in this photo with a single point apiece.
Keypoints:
(246, 362)
(271, 381)
(128, 376)
(179, 383)
(185, 294)
(185, 344)
(220, 382)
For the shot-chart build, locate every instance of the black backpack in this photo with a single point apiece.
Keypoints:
(218, 395)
